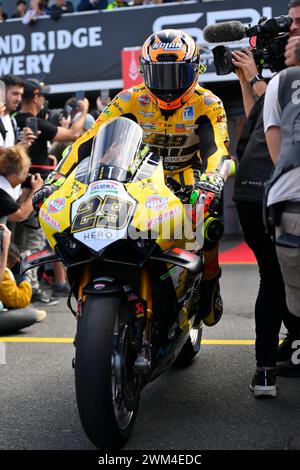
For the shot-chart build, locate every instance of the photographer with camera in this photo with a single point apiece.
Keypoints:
(292, 50)
(14, 171)
(254, 170)
(26, 236)
(15, 295)
(255, 167)
(282, 127)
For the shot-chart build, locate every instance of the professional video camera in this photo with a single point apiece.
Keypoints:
(268, 40)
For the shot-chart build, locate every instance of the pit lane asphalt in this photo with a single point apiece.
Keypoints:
(206, 406)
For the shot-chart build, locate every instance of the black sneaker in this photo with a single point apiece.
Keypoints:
(40, 296)
(263, 383)
(285, 349)
(210, 302)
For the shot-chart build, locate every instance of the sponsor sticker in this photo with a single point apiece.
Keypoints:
(39, 254)
(99, 286)
(110, 187)
(116, 105)
(210, 99)
(179, 127)
(180, 159)
(188, 113)
(146, 114)
(163, 217)
(124, 96)
(98, 234)
(74, 190)
(49, 220)
(107, 112)
(148, 125)
(144, 100)
(168, 46)
(156, 202)
(56, 205)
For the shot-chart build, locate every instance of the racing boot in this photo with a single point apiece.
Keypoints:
(210, 302)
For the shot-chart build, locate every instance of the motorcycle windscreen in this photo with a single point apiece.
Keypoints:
(115, 147)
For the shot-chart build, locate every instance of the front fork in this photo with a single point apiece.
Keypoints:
(143, 360)
(143, 343)
(85, 278)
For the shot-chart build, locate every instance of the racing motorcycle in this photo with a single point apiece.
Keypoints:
(114, 223)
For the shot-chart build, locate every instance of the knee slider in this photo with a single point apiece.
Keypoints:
(212, 232)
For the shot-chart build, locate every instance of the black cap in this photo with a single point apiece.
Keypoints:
(33, 86)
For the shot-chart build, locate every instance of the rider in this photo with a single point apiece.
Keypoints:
(183, 123)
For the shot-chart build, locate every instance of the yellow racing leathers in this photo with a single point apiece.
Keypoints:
(191, 138)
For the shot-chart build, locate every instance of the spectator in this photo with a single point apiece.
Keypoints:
(44, 7)
(71, 107)
(28, 239)
(16, 295)
(20, 10)
(90, 5)
(36, 10)
(254, 169)
(152, 2)
(59, 8)
(282, 127)
(14, 169)
(3, 15)
(101, 103)
(113, 4)
(32, 104)
(8, 126)
(5, 242)
(58, 147)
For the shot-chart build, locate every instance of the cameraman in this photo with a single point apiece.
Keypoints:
(14, 170)
(292, 51)
(254, 169)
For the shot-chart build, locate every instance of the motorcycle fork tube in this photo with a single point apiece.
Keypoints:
(146, 294)
(85, 278)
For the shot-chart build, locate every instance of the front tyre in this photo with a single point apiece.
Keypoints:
(191, 348)
(107, 387)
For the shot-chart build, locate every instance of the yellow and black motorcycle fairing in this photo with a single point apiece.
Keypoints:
(117, 227)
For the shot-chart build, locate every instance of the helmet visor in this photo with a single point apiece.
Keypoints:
(169, 76)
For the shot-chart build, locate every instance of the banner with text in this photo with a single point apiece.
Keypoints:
(83, 51)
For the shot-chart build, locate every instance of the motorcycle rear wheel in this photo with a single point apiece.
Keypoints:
(190, 348)
(107, 388)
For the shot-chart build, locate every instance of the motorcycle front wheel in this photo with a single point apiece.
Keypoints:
(107, 387)
(190, 348)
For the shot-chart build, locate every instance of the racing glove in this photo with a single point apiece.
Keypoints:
(41, 195)
(208, 191)
(49, 188)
